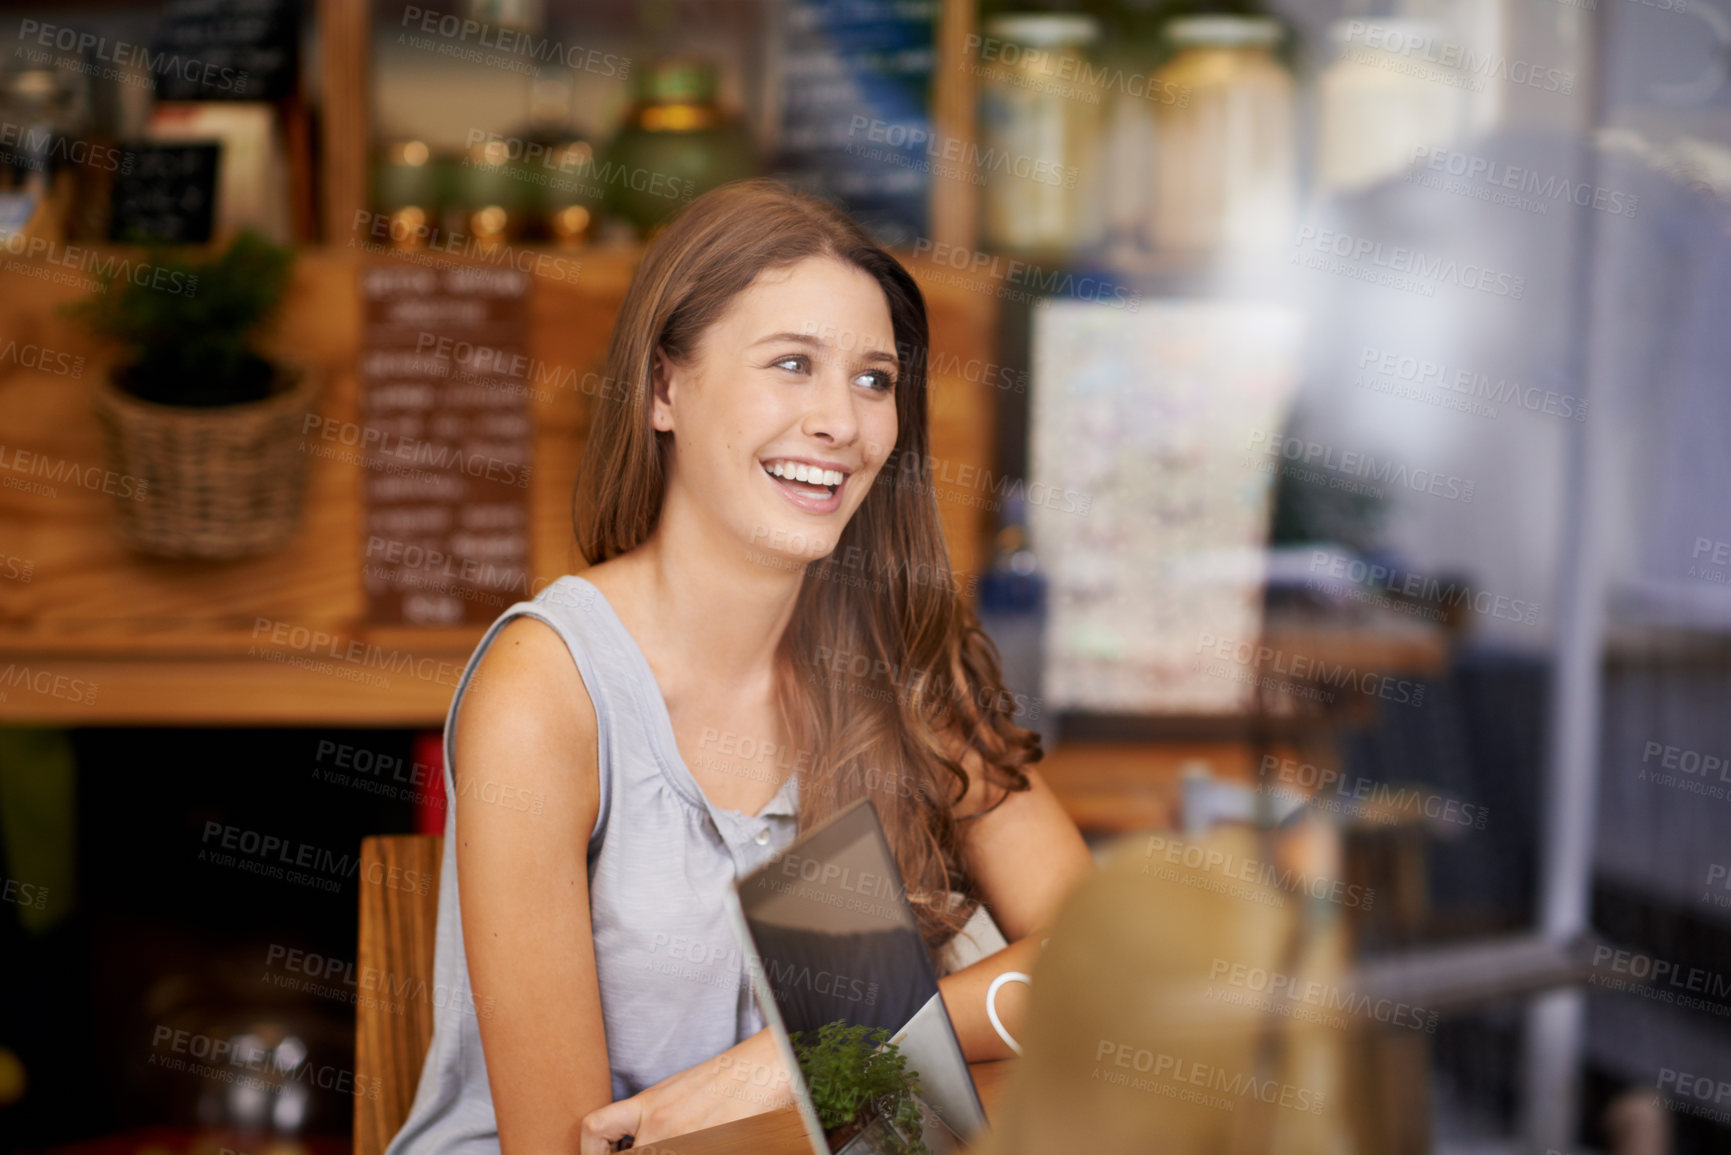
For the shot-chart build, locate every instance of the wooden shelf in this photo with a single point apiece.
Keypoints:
(188, 643)
(1120, 787)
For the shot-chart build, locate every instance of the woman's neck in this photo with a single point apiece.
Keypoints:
(704, 610)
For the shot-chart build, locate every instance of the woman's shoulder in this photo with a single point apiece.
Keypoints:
(569, 591)
(526, 722)
(563, 655)
(541, 634)
(526, 678)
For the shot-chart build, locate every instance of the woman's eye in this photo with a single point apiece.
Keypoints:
(874, 379)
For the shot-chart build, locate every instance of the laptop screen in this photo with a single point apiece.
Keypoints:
(836, 941)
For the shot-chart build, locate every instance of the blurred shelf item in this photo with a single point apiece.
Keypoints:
(676, 144)
(856, 109)
(1041, 118)
(1375, 639)
(302, 149)
(91, 634)
(1374, 116)
(1225, 166)
(253, 186)
(1126, 787)
(43, 107)
(408, 188)
(786, 79)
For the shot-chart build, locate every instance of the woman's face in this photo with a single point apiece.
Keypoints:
(787, 410)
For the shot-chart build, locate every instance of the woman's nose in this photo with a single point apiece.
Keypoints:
(831, 414)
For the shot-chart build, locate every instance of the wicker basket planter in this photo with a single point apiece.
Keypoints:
(220, 482)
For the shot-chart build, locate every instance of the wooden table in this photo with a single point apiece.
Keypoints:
(780, 1132)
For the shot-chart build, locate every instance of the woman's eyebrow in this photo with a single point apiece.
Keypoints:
(807, 339)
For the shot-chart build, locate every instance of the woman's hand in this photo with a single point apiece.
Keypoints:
(746, 1079)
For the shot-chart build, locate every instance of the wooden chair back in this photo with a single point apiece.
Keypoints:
(394, 1011)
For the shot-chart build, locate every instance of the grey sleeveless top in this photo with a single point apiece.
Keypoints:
(674, 989)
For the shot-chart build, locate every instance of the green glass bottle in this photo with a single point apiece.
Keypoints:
(675, 144)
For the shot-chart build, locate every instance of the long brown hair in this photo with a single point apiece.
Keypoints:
(884, 677)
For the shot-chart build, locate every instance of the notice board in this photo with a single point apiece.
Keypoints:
(1145, 506)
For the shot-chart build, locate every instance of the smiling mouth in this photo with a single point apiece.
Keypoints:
(805, 480)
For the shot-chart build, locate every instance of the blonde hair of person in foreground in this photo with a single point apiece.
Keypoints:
(1146, 1030)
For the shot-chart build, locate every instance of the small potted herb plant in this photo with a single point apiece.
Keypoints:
(867, 1099)
(203, 422)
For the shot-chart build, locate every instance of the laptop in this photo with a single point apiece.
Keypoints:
(828, 936)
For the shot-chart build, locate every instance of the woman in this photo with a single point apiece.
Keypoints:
(755, 506)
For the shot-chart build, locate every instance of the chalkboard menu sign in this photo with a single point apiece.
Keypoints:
(444, 437)
(227, 50)
(165, 193)
(855, 122)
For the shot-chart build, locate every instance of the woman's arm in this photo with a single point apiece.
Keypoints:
(1027, 856)
(746, 1079)
(526, 723)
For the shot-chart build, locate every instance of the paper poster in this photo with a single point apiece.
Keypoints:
(1147, 507)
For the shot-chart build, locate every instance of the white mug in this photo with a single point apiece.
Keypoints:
(992, 1007)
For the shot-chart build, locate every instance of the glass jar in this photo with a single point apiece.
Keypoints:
(1041, 110)
(1225, 162)
(1374, 111)
(676, 144)
(495, 191)
(570, 199)
(560, 167)
(43, 110)
(406, 190)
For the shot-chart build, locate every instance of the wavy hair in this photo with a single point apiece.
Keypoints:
(883, 674)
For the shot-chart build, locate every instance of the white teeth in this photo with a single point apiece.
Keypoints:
(810, 474)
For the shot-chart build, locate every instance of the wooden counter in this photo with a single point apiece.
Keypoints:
(91, 634)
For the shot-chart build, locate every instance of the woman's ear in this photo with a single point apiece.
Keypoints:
(661, 402)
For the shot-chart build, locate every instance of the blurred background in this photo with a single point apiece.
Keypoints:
(1328, 402)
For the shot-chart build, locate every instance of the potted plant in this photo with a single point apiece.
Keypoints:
(204, 423)
(867, 1099)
